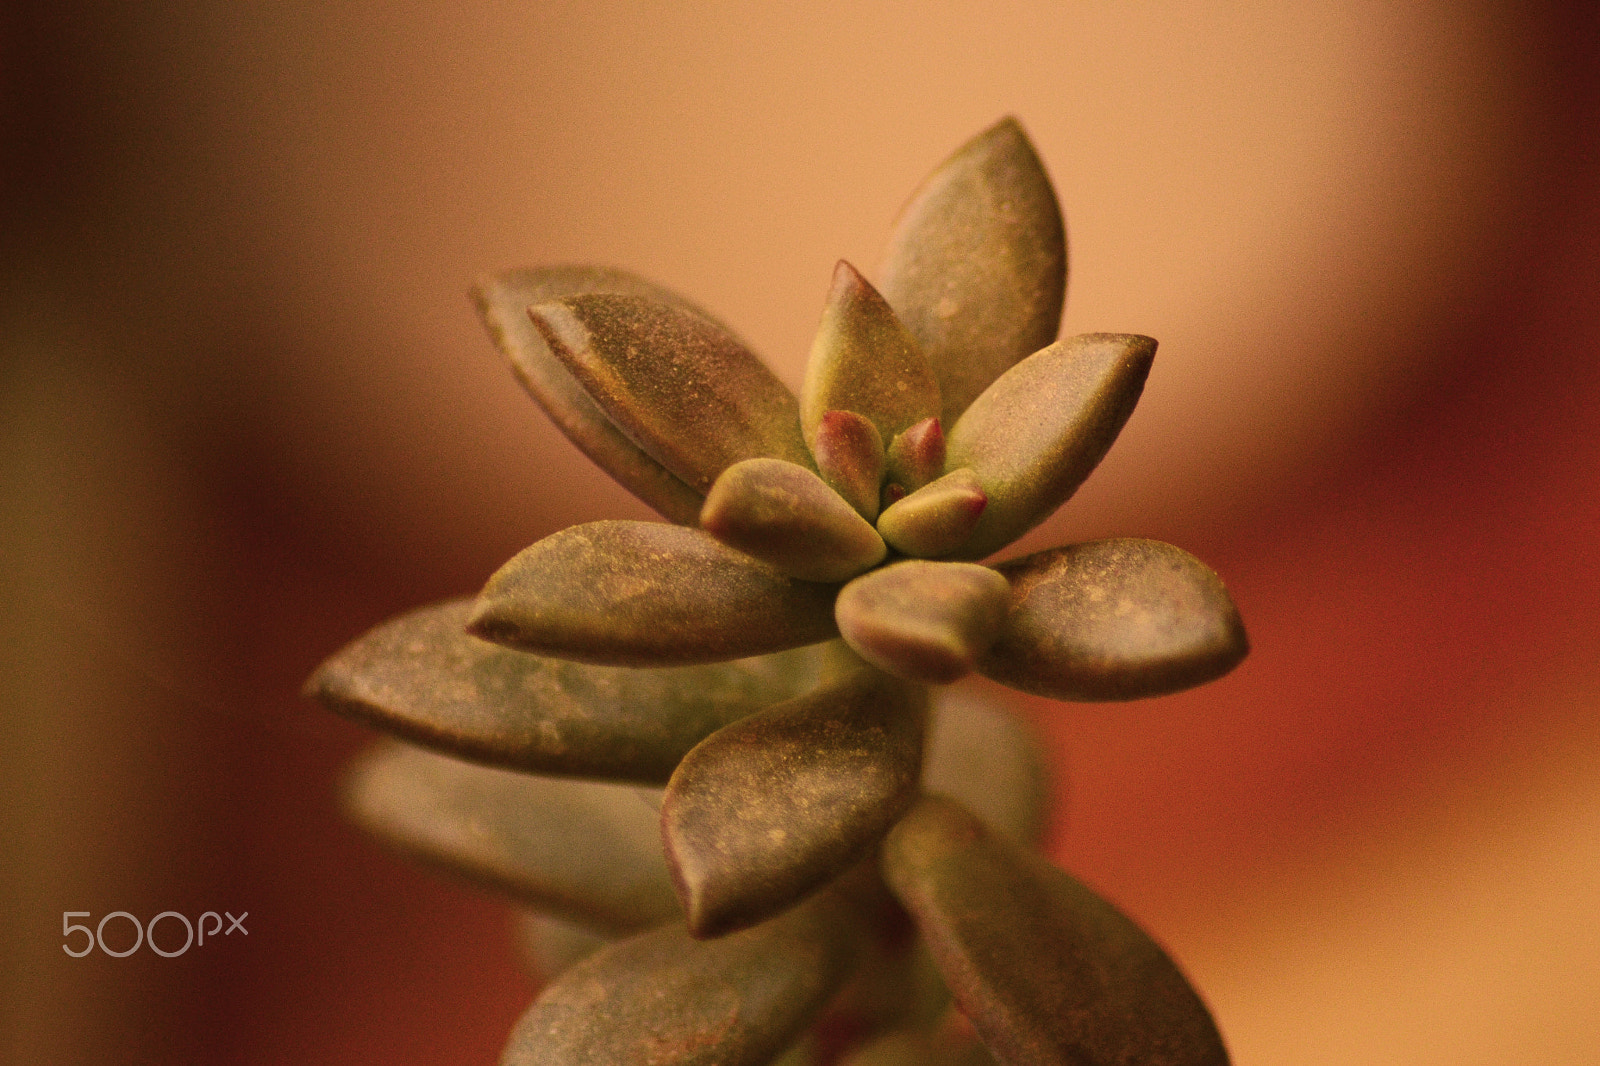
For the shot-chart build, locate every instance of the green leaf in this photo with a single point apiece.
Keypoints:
(683, 388)
(787, 516)
(1049, 973)
(863, 360)
(923, 621)
(916, 456)
(1114, 620)
(1042, 428)
(769, 808)
(977, 264)
(424, 678)
(532, 837)
(503, 301)
(989, 760)
(647, 594)
(664, 998)
(937, 519)
(849, 453)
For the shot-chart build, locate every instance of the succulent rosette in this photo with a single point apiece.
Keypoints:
(764, 658)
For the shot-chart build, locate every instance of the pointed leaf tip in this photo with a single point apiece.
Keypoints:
(976, 266)
(1035, 434)
(502, 301)
(924, 621)
(864, 360)
(787, 516)
(1049, 973)
(684, 389)
(849, 453)
(647, 594)
(917, 456)
(423, 677)
(764, 811)
(1114, 620)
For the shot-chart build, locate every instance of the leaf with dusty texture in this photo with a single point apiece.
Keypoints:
(647, 594)
(680, 386)
(937, 519)
(977, 265)
(1118, 619)
(849, 454)
(773, 806)
(1049, 973)
(987, 758)
(424, 678)
(916, 456)
(663, 998)
(582, 850)
(863, 360)
(1042, 428)
(923, 621)
(788, 517)
(503, 301)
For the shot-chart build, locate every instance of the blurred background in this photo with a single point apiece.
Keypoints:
(246, 412)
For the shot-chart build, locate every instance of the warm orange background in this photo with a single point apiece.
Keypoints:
(247, 413)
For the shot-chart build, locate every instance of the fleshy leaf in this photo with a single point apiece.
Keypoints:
(424, 678)
(1035, 434)
(938, 518)
(503, 301)
(647, 594)
(787, 516)
(1114, 620)
(662, 997)
(767, 809)
(863, 360)
(582, 850)
(977, 265)
(990, 761)
(680, 386)
(917, 455)
(923, 621)
(849, 454)
(1049, 973)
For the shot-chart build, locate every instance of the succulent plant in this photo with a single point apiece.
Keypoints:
(707, 752)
